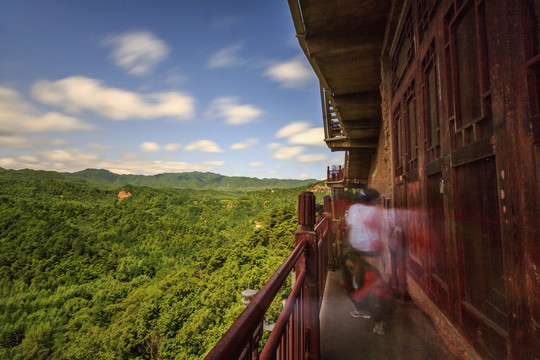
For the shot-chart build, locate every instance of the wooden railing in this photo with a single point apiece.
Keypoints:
(332, 126)
(334, 174)
(296, 332)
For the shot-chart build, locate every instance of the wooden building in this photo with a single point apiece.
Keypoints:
(436, 104)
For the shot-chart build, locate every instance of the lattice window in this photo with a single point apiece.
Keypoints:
(470, 116)
(404, 54)
(432, 123)
(426, 12)
(397, 128)
(412, 134)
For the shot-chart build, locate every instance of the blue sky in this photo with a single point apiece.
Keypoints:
(146, 87)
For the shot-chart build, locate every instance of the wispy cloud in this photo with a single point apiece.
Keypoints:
(233, 112)
(18, 115)
(75, 160)
(173, 146)
(68, 156)
(312, 158)
(150, 147)
(300, 133)
(138, 52)
(77, 93)
(204, 145)
(293, 73)
(21, 142)
(226, 57)
(255, 164)
(281, 152)
(292, 129)
(243, 145)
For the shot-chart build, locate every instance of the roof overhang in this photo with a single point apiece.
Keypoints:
(343, 41)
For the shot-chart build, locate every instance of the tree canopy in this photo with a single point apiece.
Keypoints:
(158, 274)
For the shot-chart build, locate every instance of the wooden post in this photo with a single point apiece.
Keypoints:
(306, 222)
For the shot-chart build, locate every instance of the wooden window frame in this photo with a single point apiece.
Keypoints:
(432, 148)
(405, 46)
(411, 126)
(467, 131)
(426, 12)
(397, 128)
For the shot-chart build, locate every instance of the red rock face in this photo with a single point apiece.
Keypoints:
(123, 194)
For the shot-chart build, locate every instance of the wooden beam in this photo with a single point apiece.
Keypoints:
(343, 144)
(335, 41)
(362, 124)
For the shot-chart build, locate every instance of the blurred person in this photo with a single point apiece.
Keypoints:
(371, 296)
(364, 220)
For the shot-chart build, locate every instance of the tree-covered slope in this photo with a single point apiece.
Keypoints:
(156, 275)
(189, 180)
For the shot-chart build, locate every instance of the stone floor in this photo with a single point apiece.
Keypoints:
(410, 336)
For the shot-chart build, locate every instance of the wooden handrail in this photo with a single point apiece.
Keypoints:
(273, 342)
(233, 342)
(296, 332)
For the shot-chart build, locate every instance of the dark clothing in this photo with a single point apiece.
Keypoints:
(378, 307)
(374, 295)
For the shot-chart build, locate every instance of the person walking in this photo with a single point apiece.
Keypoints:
(371, 296)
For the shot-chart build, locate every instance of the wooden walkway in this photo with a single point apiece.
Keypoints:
(410, 336)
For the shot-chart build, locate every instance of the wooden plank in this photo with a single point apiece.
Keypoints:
(476, 151)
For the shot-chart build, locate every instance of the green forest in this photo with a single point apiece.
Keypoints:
(157, 275)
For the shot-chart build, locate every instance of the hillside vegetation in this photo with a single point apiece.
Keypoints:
(189, 180)
(156, 275)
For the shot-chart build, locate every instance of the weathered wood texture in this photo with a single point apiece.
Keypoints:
(466, 167)
(461, 111)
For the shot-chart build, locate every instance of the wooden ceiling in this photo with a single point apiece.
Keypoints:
(343, 41)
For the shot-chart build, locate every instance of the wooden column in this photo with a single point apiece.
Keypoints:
(306, 222)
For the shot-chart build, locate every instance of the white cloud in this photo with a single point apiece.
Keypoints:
(233, 113)
(69, 156)
(214, 163)
(300, 133)
(137, 52)
(312, 158)
(74, 160)
(285, 153)
(78, 93)
(244, 144)
(311, 137)
(10, 163)
(172, 146)
(28, 159)
(18, 115)
(226, 57)
(292, 129)
(203, 145)
(151, 167)
(150, 147)
(292, 73)
(255, 164)
(13, 141)
(19, 142)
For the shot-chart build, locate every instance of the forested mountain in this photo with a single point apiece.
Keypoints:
(84, 275)
(189, 180)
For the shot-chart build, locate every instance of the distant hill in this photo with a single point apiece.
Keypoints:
(187, 180)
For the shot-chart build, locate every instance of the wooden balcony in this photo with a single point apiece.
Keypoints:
(315, 321)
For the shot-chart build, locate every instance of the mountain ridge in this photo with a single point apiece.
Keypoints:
(185, 180)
